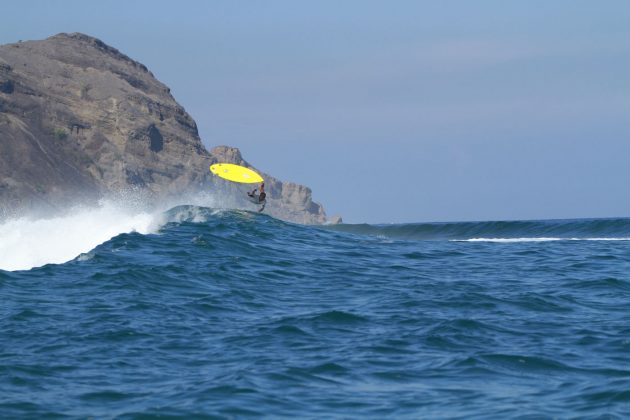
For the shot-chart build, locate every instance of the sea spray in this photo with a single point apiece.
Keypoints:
(32, 241)
(26, 243)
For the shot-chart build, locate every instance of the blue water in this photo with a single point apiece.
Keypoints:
(238, 314)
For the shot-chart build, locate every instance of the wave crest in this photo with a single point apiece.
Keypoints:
(27, 243)
(503, 231)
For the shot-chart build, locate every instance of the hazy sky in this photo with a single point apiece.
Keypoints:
(393, 111)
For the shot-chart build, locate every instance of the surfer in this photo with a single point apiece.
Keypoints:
(237, 173)
(259, 198)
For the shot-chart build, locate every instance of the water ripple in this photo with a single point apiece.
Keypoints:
(223, 314)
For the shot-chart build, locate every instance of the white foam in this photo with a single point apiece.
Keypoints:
(511, 240)
(26, 243)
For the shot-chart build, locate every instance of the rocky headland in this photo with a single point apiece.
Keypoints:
(80, 121)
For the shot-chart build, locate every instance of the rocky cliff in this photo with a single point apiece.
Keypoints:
(79, 120)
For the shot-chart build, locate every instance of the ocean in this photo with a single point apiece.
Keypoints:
(204, 313)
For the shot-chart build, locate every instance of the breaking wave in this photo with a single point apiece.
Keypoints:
(196, 312)
(26, 243)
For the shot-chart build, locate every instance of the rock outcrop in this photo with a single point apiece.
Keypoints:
(79, 120)
(288, 200)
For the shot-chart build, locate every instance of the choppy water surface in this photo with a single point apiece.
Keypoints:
(235, 314)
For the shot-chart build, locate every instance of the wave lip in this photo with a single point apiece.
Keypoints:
(25, 243)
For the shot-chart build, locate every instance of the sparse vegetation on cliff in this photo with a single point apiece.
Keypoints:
(60, 133)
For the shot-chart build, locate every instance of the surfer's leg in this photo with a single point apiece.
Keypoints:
(263, 207)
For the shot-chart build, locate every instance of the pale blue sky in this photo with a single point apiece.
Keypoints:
(393, 111)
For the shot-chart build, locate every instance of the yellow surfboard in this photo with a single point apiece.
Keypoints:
(235, 173)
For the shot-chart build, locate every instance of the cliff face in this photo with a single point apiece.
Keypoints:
(80, 120)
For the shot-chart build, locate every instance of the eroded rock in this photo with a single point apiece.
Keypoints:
(80, 120)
